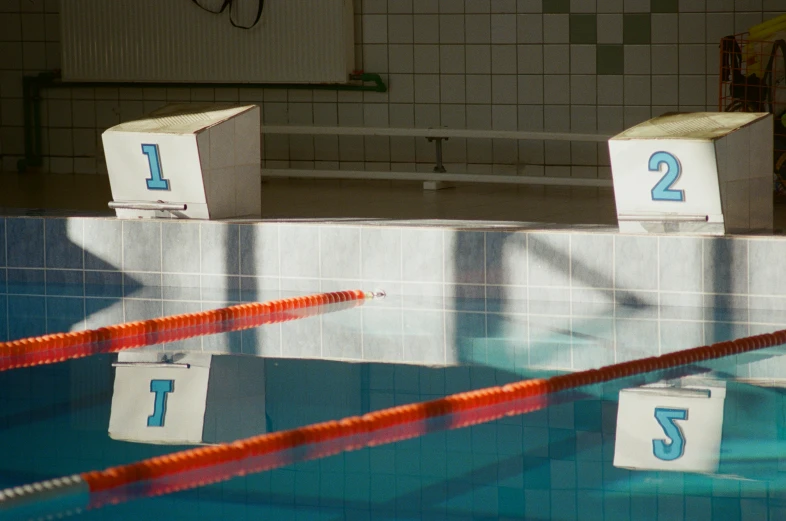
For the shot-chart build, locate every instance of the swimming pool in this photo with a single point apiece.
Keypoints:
(557, 462)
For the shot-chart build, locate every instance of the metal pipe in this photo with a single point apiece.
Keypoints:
(141, 205)
(428, 176)
(33, 85)
(665, 217)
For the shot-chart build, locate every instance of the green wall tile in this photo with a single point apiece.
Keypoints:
(610, 59)
(637, 29)
(556, 6)
(583, 28)
(666, 6)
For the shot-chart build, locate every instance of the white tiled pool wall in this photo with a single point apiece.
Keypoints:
(558, 299)
(555, 65)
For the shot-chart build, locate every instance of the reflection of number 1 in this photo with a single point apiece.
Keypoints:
(161, 388)
(156, 181)
(676, 447)
(663, 191)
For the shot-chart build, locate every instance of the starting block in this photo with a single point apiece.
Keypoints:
(189, 161)
(708, 173)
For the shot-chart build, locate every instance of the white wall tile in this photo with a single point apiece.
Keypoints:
(503, 29)
(453, 88)
(426, 59)
(479, 88)
(692, 59)
(556, 89)
(692, 27)
(665, 59)
(426, 28)
(530, 89)
(665, 28)
(504, 89)
(451, 28)
(530, 59)
(610, 28)
(452, 59)
(556, 28)
(583, 90)
(478, 59)
(529, 28)
(583, 59)
(503, 59)
(637, 59)
(556, 59)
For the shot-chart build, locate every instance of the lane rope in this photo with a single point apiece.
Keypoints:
(204, 465)
(58, 347)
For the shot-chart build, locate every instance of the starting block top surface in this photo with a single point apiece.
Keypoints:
(183, 118)
(695, 126)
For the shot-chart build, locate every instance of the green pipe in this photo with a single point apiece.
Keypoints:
(33, 85)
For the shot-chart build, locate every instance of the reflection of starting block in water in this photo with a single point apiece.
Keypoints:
(705, 173)
(670, 428)
(186, 161)
(193, 398)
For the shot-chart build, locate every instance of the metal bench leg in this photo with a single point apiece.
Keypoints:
(439, 168)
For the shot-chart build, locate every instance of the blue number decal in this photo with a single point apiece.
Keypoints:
(161, 388)
(676, 446)
(156, 181)
(663, 190)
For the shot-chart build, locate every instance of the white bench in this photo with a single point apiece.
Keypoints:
(439, 177)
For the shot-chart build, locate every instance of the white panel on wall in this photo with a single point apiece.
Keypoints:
(300, 41)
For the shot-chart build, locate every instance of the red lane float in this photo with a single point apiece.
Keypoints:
(59, 347)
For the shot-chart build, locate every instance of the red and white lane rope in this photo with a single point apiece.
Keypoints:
(59, 347)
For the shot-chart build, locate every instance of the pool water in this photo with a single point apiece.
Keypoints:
(557, 463)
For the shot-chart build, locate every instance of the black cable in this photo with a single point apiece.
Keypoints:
(260, 7)
(232, 11)
(224, 5)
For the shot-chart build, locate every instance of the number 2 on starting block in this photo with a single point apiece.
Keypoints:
(663, 191)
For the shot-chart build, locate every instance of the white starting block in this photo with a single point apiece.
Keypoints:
(192, 161)
(187, 399)
(708, 173)
(670, 428)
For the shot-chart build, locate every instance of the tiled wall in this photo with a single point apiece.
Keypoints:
(508, 299)
(560, 65)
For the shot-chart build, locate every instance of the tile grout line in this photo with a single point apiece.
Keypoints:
(46, 293)
(657, 263)
(614, 294)
(84, 277)
(7, 308)
(319, 271)
(570, 297)
(161, 265)
(360, 264)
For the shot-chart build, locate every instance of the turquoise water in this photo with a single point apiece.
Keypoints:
(552, 464)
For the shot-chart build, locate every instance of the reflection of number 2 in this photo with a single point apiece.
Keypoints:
(676, 446)
(663, 190)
